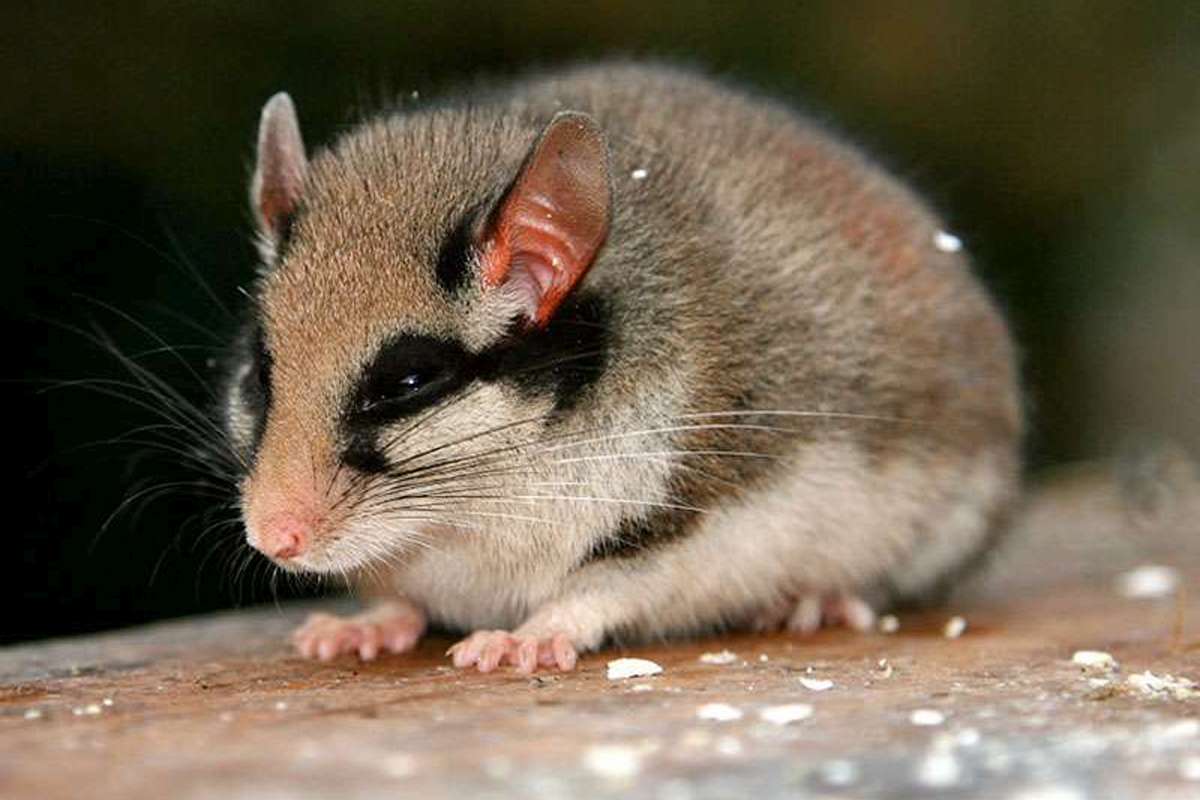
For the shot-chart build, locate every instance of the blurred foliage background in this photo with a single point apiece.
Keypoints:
(1062, 140)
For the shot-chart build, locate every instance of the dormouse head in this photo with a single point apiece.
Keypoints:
(418, 323)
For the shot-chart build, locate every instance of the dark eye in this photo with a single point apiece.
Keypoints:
(397, 389)
(407, 374)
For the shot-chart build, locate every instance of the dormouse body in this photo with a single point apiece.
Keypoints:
(614, 352)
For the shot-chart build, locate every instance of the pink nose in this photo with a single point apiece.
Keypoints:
(283, 536)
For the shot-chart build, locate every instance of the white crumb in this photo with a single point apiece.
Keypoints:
(1189, 768)
(641, 687)
(955, 627)
(280, 705)
(225, 716)
(786, 714)
(1094, 660)
(729, 746)
(968, 737)
(639, 174)
(889, 623)
(947, 242)
(616, 761)
(399, 765)
(621, 668)
(939, 770)
(1148, 581)
(723, 657)
(885, 668)
(816, 684)
(108, 701)
(1049, 792)
(1163, 686)
(718, 712)
(763, 658)
(839, 772)
(926, 717)
(91, 709)
(33, 713)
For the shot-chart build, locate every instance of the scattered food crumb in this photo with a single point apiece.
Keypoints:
(816, 684)
(718, 712)
(639, 174)
(723, 657)
(1148, 581)
(280, 705)
(616, 761)
(885, 667)
(839, 772)
(729, 746)
(947, 242)
(1095, 660)
(91, 710)
(33, 713)
(926, 717)
(763, 658)
(1189, 768)
(786, 714)
(641, 687)
(955, 627)
(1163, 686)
(968, 737)
(108, 701)
(399, 765)
(939, 770)
(889, 623)
(622, 668)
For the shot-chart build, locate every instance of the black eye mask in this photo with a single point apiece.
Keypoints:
(412, 373)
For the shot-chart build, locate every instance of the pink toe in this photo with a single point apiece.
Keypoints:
(564, 653)
(527, 656)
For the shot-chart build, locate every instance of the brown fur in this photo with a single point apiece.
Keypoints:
(760, 265)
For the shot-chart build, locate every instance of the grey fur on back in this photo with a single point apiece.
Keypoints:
(755, 266)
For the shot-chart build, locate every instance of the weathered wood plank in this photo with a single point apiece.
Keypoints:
(219, 706)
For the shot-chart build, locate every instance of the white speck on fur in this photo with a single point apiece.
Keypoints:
(947, 242)
(1148, 581)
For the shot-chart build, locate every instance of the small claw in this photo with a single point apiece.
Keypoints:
(564, 652)
(527, 656)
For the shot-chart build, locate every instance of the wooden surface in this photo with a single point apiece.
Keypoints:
(219, 707)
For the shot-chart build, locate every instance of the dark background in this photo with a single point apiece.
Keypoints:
(1061, 139)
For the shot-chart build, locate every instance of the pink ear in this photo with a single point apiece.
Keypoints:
(281, 168)
(550, 225)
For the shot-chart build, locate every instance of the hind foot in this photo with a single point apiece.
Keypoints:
(808, 613)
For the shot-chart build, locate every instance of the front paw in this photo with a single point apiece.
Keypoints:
(489, 649)
(391, 627)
